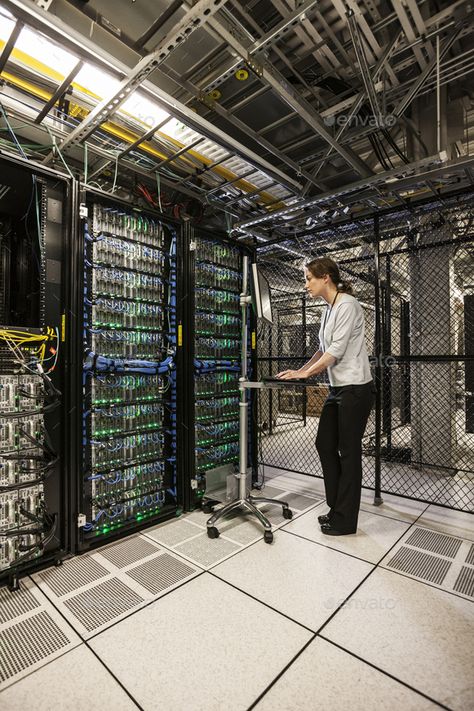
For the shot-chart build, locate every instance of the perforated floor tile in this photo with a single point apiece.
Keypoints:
(243, 531)
(161, 573)
(14, 604)
(128, 551)
(72, 574)
(32, 633)
(134, 572)
(205, 551)
(28, 642)
(102, 603)
(436, 558)
(465, 582)
(419, 564)
(435, 542)
(174, 532)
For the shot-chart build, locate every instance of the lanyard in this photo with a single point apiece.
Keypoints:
(326, 316)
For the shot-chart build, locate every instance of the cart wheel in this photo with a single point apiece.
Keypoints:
(287, 513)
(207, 508)
(268, 537)
(212, 532)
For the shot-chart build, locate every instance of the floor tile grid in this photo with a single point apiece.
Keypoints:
(59, 656)
(331, 617)
(202, 528)
(60, 613)
(284, 523)
(365, 505)
(58, 602)
(391, 676)
(113, 573)
(338, 550)
(423, 638)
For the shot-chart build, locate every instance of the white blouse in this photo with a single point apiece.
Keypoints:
(342, 334)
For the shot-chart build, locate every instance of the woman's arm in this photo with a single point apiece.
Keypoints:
(304, 371)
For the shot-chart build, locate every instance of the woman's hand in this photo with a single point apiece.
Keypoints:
(292, 375)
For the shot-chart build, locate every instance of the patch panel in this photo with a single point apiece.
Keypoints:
(113, 251)
(208, 433)
(134, 226)
(115, 343)
(217, 300)
(220, 348)
(118, 451)
(136, 507)
(217, 324)
(217, 253)
(214, 276)
(216, 455)
(113, 388)
(117, 313)
(216, 383)
(109, 419)
(110, 281)
(127, 495)
(113, 483)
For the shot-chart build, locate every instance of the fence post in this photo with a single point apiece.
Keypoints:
(378, 365)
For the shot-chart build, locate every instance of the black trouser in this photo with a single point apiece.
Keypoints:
(339, 444)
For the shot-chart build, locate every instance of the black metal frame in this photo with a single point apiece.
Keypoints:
(58, 307)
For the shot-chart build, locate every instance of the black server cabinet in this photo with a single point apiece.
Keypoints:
(36, 232)
(128, 472)
(210, 353)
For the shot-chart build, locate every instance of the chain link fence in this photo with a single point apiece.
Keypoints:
(413, 272)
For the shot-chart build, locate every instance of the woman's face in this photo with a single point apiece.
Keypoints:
(314, 285)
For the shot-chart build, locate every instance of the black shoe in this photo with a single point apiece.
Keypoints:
(325, 518)
(329, 530)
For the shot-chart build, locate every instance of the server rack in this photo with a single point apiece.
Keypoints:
(35, 304)
(211, 318)
(128, 475)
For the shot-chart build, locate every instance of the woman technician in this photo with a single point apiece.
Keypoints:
(343, 353)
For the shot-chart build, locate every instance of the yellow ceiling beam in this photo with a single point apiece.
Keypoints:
(118, 131)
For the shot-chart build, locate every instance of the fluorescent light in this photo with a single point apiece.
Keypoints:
(96, 81)
(43, 50)
(175, 129)
(6, 27)
(145, 111)
(4, 13)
